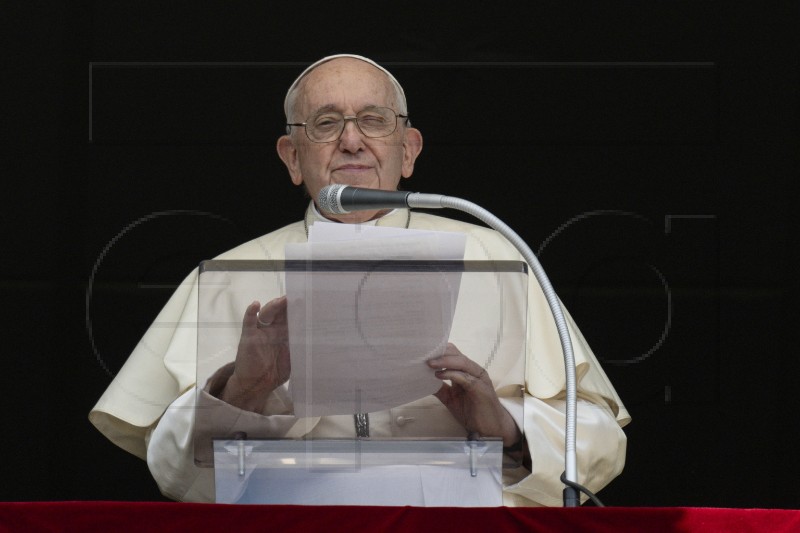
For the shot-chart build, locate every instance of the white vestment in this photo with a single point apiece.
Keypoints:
(148, 409)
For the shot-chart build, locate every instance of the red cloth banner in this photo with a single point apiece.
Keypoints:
(151, 516)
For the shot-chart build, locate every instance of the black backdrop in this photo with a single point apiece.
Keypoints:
(646, 150)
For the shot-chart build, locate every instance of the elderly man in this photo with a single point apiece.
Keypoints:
(348, 124)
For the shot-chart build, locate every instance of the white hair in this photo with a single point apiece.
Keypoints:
(291, 94)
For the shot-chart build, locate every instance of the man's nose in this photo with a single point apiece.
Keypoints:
(351, 140)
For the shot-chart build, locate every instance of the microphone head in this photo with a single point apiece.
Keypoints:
(329, 199)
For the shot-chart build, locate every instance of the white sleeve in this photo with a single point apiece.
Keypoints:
(171, 454)
(600, 444)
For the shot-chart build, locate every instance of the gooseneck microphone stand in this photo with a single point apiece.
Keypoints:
(432, 201)
(339, 199)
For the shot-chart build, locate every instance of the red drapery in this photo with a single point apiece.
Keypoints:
(139, 517)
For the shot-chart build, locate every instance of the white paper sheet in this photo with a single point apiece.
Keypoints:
(359, 339)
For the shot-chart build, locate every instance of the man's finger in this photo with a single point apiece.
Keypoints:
(249, 319)
(459, 377)
(273, 311)
(458, 362)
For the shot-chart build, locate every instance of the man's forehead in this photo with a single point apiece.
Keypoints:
(335, 71)
(358, 65)
(339, 87)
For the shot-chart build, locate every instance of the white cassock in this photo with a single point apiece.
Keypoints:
(148, 409)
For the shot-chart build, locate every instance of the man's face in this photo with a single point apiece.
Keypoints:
(348, 85)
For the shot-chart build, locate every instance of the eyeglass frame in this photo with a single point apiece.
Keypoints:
(354, 118)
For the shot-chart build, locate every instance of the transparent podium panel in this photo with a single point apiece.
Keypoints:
(356, 337)
(424, 473)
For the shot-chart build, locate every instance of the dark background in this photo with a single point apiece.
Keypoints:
(647, 150)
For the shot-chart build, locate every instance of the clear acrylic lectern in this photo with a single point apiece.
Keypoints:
(357, 423)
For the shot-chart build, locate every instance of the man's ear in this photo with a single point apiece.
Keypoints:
(412, 146)
(288, 154)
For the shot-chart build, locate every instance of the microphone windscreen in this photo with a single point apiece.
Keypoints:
(328, 199)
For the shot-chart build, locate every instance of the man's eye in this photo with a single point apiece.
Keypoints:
(326, 122)
(372, 119)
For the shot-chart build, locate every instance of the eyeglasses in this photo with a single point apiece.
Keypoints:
(327, 126)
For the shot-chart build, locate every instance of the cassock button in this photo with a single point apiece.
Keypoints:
(402, 420)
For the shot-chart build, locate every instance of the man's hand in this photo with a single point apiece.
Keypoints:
(471, 398)
(262, 359)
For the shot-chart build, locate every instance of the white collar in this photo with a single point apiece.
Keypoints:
(396, 218)
(322, 218)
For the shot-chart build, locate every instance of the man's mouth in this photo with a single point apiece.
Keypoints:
(352, 168)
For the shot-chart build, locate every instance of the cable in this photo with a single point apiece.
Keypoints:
(582, 489)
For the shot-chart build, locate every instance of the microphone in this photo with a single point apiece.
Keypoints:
(342, 199)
